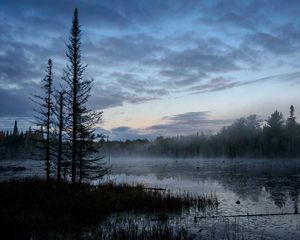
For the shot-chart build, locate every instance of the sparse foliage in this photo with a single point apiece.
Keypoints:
(44, 116)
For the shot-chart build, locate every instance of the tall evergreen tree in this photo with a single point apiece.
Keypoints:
(81, 119)
(276, 121)
(15, 130)
(274, 133)
(291, 121)
(291, 127)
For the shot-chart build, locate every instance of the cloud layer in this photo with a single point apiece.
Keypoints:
(175, 125)
(144, 51)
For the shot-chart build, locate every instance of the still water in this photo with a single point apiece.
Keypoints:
(261, 186)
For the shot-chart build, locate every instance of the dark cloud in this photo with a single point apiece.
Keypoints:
(15, 103)
(124, 133)
(180, 124)
(15, 63)
(120, 129)
(21, 63)
(191, 65)
(106, 97)
(188, 123)
(233, 13)
(137, 84)
(252, 16)
(93, 12)
(219, 84)
(124, 49)
(147, 12)
(272, 43)
(280, 40)
(180, 77)
(188, 118)
(221, 16)
(215, 84)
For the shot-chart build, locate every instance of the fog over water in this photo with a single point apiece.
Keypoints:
(261, 185)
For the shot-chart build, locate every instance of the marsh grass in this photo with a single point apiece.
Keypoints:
(33, 205)
(128, 229)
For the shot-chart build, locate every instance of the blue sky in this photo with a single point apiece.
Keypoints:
(160, 67)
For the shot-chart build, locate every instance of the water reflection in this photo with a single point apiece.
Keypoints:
(251, 180)
(261, 186)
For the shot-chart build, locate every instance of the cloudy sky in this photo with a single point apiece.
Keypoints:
(161, 67)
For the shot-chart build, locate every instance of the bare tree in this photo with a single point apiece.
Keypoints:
(43, 116)
(59, 129)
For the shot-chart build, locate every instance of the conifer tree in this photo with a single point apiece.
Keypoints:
(16, 131)
(81, 120)
(44, 116)
(60, 128)
(291, 127)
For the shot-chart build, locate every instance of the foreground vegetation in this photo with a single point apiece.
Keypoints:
(33, 205)
(120, 229)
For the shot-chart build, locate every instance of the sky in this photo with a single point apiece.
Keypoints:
(168, 67)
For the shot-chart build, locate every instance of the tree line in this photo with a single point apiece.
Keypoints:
(17, 144)
(246, 137)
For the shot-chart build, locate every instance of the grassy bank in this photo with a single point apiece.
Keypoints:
(31, 204)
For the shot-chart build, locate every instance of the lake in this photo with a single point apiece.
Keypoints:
(262, 186)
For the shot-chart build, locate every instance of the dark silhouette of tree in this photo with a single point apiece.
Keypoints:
(292, 120)
(81, 120)
(2, 135)
(60, 124)
(15, 141)
(241, 137)
(276, 121)
(43, 117)
(292, 132)
(274, 134)
(16, 131)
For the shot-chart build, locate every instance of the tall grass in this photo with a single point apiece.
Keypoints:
(33, 205)
(127, 229)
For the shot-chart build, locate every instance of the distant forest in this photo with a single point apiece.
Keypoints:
(18, 144)
(246, 137)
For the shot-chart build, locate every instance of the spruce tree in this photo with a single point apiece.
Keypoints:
(16, 131)
(81, 120)
(291, 127)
